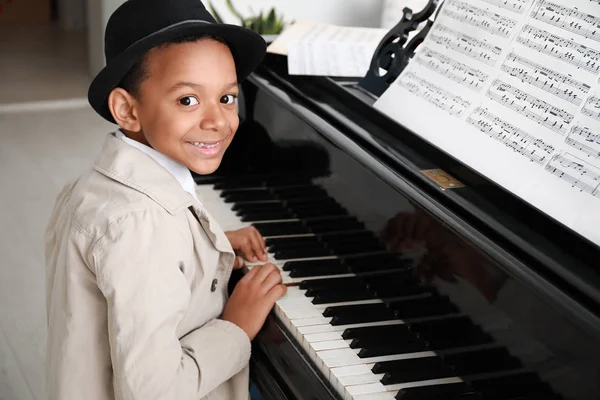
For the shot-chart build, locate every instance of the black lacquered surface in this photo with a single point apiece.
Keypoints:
(512, 317)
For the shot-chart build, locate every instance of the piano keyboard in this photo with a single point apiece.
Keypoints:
(357, 311)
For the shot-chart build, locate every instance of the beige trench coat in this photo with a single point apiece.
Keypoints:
(135, 288)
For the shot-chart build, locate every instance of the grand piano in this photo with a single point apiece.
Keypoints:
(400, 285)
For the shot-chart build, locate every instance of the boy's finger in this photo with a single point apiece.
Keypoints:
(276, 293)
(273, 279)
(238, 263)
(248, 252)
(259, 249)
(264, 272)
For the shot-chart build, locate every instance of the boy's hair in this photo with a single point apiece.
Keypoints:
(132, 81)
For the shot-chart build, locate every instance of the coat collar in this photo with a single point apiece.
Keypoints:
(131, 167)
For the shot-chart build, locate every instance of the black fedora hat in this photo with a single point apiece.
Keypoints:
(139, 25)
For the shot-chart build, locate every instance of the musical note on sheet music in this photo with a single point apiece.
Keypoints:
(560, 85)
(583, 139)
(452, 69)
(569, 19)
(578, 173)
(489, 21)
(453, 105)
(592, 108)
(467, 45)
(521, 142)
(517, 6)
(560, 48)
(530, 106)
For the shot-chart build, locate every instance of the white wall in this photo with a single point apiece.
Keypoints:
(339, 12)
(98, 13)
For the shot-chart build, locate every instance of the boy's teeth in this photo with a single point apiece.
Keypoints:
(208, 146)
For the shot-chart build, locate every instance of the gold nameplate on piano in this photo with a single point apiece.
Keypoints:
(442, 178)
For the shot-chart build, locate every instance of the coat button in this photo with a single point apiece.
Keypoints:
(213, 287)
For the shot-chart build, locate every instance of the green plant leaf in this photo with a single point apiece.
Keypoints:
(214, 12)
(270, 22)
(233, 10)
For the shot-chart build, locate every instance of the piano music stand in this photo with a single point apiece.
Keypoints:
(391, 55)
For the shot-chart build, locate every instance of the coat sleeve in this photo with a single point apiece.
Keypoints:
(137, 270)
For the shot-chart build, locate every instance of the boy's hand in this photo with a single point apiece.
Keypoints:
(253, 298)
(250, 243)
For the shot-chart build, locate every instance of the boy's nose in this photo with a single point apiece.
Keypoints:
(213, 119)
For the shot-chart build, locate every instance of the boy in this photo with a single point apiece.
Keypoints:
(137, 270)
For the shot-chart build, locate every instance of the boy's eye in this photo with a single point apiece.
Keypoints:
(228, 99)
(188, 101)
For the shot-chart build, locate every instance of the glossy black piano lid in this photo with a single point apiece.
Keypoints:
(520, 287)
(540, 241)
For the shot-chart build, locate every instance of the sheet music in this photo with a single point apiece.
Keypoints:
(512, 88)
(328, 50)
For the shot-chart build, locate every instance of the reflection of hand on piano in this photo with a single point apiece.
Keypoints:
(447, 257)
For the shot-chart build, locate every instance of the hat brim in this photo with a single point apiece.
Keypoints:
(247, 47)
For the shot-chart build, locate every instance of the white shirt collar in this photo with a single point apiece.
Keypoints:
(178, 170)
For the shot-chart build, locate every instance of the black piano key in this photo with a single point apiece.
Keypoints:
(267, 216)
(262, 206)
(352, 286)
(481, 361)
(330, 284)
(320, 212)
(376, 262)
(398, 331)
(302, 253)
(247, 196)
(295, 245)
(345, 315)
(370, 341)
(339, 297)
(281, 228)
(354, 248)
(449, 391)
(282, 241)
(450, 333)
(386, 349)
(422, 307)
(299, 272)
(300, 192)
(312, 264)
(334, 225)
(416, 369)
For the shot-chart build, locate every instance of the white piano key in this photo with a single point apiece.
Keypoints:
(368, 388)
(360, 379)
(346, 357)
(376, 396)
(360, 369)
(330, 345)
(311, 321)
(430, 382)
(322, 337)
(306, 330)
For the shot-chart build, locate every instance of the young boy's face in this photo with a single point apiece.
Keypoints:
(186, 106)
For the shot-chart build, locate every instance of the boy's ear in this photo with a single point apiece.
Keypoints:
(122, 107)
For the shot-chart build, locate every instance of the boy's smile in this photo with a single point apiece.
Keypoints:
(185, 107)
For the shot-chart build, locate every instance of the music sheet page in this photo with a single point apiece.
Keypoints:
(511, 88)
